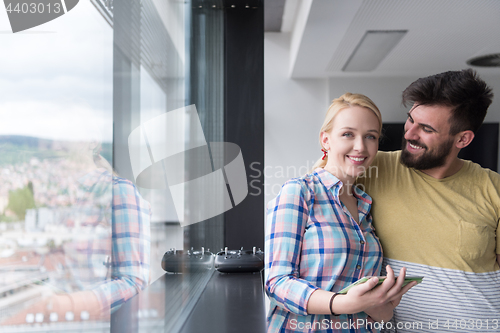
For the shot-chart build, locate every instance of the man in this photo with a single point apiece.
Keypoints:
(438, 215)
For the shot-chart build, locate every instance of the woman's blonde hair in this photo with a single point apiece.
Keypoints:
(338, 104)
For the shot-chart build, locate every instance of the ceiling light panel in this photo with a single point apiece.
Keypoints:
(372, 49)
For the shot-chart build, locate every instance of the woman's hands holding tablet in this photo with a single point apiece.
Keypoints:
(378, 301)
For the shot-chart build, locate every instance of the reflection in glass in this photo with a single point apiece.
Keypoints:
(77, 237)
(89, 247)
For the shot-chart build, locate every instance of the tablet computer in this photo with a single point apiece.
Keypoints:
(381, 279)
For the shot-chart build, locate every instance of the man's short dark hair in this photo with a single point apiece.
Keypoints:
(468, 96)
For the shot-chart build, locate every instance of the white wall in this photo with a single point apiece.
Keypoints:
(385, 92)
(293, 113)
(493, 114)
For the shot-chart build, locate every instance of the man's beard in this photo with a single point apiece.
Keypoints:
(427, 160)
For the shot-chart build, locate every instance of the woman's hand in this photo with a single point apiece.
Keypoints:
(385, 311)
(378, 302)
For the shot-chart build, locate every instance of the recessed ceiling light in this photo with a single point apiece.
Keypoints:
(372, 49)
(489, 60)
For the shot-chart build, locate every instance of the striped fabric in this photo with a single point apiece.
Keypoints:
(313, 242)
(447, 301)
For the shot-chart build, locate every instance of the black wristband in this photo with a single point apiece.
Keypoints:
(331, 302)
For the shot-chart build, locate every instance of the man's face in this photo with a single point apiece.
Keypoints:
(427, 142)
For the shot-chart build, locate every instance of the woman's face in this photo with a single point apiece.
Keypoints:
(352, 143)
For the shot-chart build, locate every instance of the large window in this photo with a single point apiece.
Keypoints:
(87, 210)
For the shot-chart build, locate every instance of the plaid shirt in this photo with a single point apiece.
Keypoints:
(124, 243)
(312, 242)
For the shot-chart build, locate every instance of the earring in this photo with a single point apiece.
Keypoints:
(325, 153)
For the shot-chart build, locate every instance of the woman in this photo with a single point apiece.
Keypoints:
(319, 234)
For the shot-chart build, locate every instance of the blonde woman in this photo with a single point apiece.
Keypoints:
(319, 234)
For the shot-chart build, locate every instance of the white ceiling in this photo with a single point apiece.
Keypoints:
(273, 15)
(442, 35)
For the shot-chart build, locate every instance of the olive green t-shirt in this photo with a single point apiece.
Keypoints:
(445, 230)
(450, 223)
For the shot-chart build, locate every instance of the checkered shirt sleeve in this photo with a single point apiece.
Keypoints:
(131, 216)
(287, 219)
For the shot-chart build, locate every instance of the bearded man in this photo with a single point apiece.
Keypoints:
(437, 214)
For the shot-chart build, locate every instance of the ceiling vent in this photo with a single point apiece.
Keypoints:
(489, 60)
